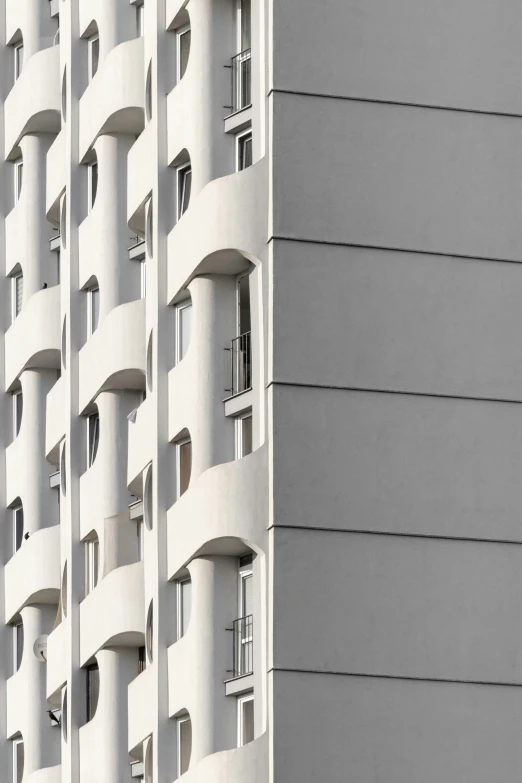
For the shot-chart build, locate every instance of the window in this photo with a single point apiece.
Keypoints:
(184, 743)
(19, 176)
(142, 660)
(245, 719)
(140, 20)
(18, 59)
(18, 405)
(92, 561)
(244, 435)
(139, 539)
(184, 188)
(18, 527)
(18, 645)
(143, 278)
(18, 760)
(183, 50)
(92, 182)
(244, 150)
(93, 437)
(93, 690)
(243, 643)
(183, 329)
(184, 606)
(93, 309)
(17, 294)
(93, 55)
(244, 25)
(149, 632)
(184, 465)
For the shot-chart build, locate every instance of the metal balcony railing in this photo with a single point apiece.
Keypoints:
(243, 642)
(241, 364)
(241, 81)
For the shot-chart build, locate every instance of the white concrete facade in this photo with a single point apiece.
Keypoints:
(260, 362)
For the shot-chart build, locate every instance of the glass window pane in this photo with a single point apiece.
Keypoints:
(18, 405)
(185, 188)
(95, 55)
(19, 644)
(95, 308)
(184, 50)
(19, 527)
(246, 24)
(93, 691)
(247, 721)
(19, 294)
(93, 170)
(246, 594)
(186, 604)
(185, 464)
(19, 760)
(246, 436)
(185, 745)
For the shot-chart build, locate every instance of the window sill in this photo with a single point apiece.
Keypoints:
(239, 120)
(239, 403)
(239, 685)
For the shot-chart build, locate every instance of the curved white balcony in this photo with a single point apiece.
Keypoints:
(114, 100)
(141, 442)
(142, 713)
(250, 762)
(141, 171)
(33, 19)
(46, 775)
(227, 501)
(56, 176)
(234, 211)
(113, 613)
(33, 105)
(22, 236)
(55, 420)
(32, 575)
(57, 661)
(33, 340)
(114, 356)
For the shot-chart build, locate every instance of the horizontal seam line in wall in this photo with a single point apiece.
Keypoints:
(396, 677)
(394, 534)
(390, 249)
(399, 392)
(382, 101)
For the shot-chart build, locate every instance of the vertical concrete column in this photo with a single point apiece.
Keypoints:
(212, 46)
(41, 741)
(213, 298)
(39, 263)
(38, 499)
(34, 20)
(111, 459)
(117, 278)
(118, 667)
(214, 600)
(116, 24)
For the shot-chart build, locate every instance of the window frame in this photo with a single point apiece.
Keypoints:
(92, 563)
(18, 61)
(241, 701)
(140, 528)
(93, 437)
(16, 518)
(15, 312)
(240, 140)
(179, 445)
(179, 722)
(187, 303)
(90, 61)
(90, 714)
(91, 326)
(239, 27)
(16, 772)
(92, 184)
(140, 20)
(18, 409)
(18, 178)
(180, 613)
(181, 184)
(180, 32)
(240, 453)
(18, 648)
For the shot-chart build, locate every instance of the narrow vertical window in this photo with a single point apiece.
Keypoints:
(92, 171)
(18, 760)
(18, 59)
(244, 150)
(92, 563)
(139, 539)
(184, 188)
(184, 605)
(184, 464)
(245, 719)
(183, 50)
(19, 176)
(18, 527)
(18, 405)
(244, 435)
(143, 278)
(93, 690)
(93, 55)
(183, 329)
(93, 437)
(93, 309)
(184, 744)
(142, 660)
(140, 20)
(17, 295)
(18, 645)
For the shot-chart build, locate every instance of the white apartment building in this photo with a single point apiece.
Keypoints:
(261, 447)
